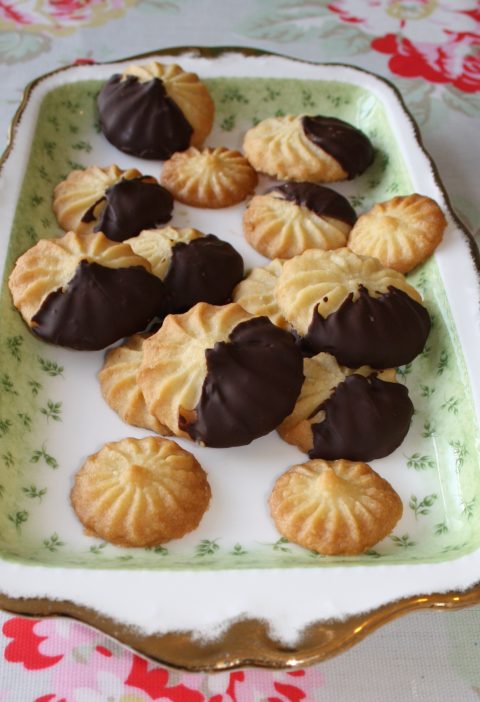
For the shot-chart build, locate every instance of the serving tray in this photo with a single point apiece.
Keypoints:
(232, 592)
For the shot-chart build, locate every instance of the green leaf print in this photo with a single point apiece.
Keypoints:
(35, 386)
(419, 462)
(422, 507)
(451, 405)
(96, 549)
(426, 390)
(53, 543)
(440, 529)
(53, 410)
(238, 550)
(206, 548)
(228, 123)
(41, 454)
(32, 492)
(14, 345)
(51, 368)
(402, 541)
(468, 508)
(461, 452)
(6, 384)
(18, 518)
(25, 420)
(234, 95)
(428, 429)
(8, 459)
(5, 425)
(281, 545)
(443, 362)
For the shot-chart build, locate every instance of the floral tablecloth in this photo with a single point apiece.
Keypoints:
(430, 49)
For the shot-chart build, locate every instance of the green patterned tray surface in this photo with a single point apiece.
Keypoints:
(437, 463)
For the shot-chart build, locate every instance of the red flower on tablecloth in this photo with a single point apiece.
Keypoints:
(438, 40)
(154, 681)
(59, 16)
(25, 647)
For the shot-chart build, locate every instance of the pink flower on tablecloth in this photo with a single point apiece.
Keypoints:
(438, 40)
(59, 16)
(268, 686)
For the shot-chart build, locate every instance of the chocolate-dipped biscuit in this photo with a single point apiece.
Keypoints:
(130, 206)
(354, 413)
(194, 267)
(322, 201)
(352, 307)
(389, 330)
(118, 203)
(313, 149)
(84, 291)
(293, 217)
(348, 145)
(220, 376)
(155, 110)
(365, 418)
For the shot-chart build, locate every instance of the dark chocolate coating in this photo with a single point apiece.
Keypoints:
(140, 119)
(324, 202)
(99, 306)
(252, 383)
(203, 270)
(382, 332)
(366, 418)
(131, 206)
(347, 144)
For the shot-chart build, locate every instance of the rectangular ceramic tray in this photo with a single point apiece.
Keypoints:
(52, 414)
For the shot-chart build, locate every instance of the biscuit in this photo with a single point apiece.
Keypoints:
(334, 507)
(140, 492)
(118, 203)
(214, 177)
(401, 232)
(220, 376)
(118, 383)
(84, 291)
(358, 414)
(154, 110)
(194, 267)
(256, 293)
(352, 307)
(302, 148)
(293, 217)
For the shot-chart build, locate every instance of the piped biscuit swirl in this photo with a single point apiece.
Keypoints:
(352, 307)
(220, 376)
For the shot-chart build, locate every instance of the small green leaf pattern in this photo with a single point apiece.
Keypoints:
(14, 345)
(460, 451)
(443, 362)
(428, 429)
(5, 425)
(419, 462)
(53, 543)
(422, 507)
(206, 548)
(33, 492)
(234, 95)
(6, 384)
(96, 549)
(18, 518)
(25, 420)
(8, 459)
(426, 390)
(281, 545)
(468, 508)
(228, 123)
(53, 410)
(35, 387)
(402, 541)
(451, 405)
(440, 529)
(238, 550)
(51, 368)
(403, 371)
(42, 455)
